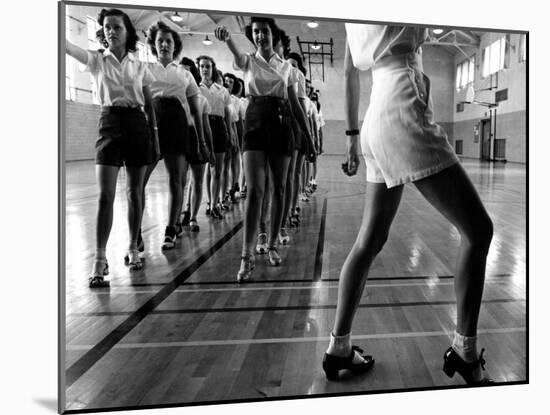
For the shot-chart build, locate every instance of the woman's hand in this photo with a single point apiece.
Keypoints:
(311, 155)
(222, 33)
(352, 163)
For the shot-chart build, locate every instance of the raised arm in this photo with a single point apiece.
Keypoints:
(76, 52)
(352, 91)
(223, 34)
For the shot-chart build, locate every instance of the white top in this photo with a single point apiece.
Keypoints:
(309, 106)
(300, 83)
(118, 83)
(320, 119)
(217, 97)
(262, 78)
(204, 105)
(244, 105)
(235, 108)
(173, 81)
(368, 43)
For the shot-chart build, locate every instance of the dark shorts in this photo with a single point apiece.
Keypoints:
(297, 135)
(124, 138)
(268, 126)
(173, 127)
(220, 137)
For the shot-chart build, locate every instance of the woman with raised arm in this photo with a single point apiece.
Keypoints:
(125, 135)
(176, 101)
(402, 144)
(267, 139)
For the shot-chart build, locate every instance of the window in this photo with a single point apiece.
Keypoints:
(495, 56)
(93, 27)
(144, 53)
(522, 48)
(465, 72)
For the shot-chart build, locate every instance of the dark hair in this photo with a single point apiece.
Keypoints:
(285, 42)
(192, 68)
(243, 92)
(234, 78)
(298, 58)
(275, 31)
(163, 27)
(132, 37)
(214, 68)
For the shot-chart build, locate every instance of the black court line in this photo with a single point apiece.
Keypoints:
(317, 271)
(309, 281)
(91, 357)
(287, 308)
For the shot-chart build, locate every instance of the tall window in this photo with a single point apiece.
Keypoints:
(522, 48)
(69, 65)
(465, 72)
(144, 53)
(495, 56)
(93, 26)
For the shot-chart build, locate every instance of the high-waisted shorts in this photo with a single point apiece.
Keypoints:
(220, 137)
(173, 126)
(268, 126)
(400, 141)
(124, 138)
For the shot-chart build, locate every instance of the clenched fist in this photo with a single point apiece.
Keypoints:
(221, 33)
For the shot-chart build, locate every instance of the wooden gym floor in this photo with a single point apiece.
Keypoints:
(183, 331)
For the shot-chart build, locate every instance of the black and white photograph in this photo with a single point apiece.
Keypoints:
(256, 207)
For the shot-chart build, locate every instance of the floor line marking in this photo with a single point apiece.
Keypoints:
(286, 308)
(90, 358)
(356, 337)
(313, 287)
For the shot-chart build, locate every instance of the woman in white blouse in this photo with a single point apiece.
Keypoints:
(267, 139)
(126, 136)
(176, 100)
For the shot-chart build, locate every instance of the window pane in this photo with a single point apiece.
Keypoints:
(486, 54)
(502, 54)
(457, 83)
(471, 70)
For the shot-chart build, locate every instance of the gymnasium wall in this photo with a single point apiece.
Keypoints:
(439, 65)
(511, 114)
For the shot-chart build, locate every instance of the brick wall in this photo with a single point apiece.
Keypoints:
(81, 130)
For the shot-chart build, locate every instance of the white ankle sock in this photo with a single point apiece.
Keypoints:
(100, 253)
(341, 346)
(466, 348)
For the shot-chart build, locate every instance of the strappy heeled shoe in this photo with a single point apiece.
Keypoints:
(134, 261)
(247, 266)
(274, 257)
(454, 363)
(333, 364)
(99, 270)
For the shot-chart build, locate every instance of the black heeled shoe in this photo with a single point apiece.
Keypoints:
(454, 363)
(333, 364)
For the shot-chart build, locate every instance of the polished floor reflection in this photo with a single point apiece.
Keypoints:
(183, 331)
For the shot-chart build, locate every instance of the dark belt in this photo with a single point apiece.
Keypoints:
(401, 49)
(121, 110)
(267, 99)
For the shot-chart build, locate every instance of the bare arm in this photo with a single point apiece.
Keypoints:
(223, 34)
(208, 134)
(352, 91)
(196, 113)
(229, 124)
(300, 116)
(76, 52)
(151, 117)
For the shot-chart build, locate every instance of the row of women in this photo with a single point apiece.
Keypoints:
(400, 142)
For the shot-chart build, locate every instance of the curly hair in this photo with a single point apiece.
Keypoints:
(163, 27)
(241, 83)
(214, 67)
(192, 68)
(131, 38)
(298, 58)
(234, 78)
(285, 42)
(275, 31)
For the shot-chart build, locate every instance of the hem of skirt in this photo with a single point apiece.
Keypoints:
(422, 174)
